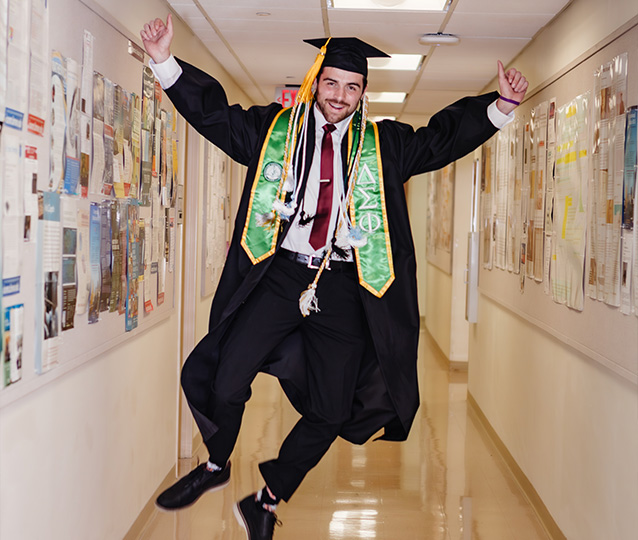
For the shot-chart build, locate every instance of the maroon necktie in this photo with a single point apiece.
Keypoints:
(320, 224)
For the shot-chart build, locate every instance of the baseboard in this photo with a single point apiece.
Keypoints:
(149, 509)
(458, 365)
(551, 527)
(452, 365)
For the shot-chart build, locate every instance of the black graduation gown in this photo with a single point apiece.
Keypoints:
(387, 394)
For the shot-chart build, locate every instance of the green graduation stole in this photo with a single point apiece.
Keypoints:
(367, 205)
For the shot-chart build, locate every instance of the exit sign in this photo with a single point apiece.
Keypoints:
(286, 95)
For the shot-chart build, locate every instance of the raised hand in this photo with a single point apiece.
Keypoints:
(157, 38)
(512, 87)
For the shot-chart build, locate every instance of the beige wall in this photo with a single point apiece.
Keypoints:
(570, 424)
(442, 295)
(81, 456)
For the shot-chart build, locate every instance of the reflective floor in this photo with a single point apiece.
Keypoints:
(445, 483)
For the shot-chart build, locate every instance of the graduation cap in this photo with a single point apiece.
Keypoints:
(347, 53)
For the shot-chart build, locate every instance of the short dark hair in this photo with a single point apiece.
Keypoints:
(365, 79)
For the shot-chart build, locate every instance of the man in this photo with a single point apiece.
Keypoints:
(319, 287)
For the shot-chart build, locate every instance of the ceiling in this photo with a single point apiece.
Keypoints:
(263, 52)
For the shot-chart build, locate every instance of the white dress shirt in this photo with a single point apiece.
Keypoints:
(298, 238)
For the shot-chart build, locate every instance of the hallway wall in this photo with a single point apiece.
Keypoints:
(81, 456)
(570, 424)
(442, 295)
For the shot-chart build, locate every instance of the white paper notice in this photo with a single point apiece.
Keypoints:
(12, 172)
(3, 58)
(58, 121)
(31, 185)
(17, 63)
(570, 216)
(39, 67)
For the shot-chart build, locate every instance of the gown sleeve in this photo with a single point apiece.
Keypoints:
(202, 101)
(451, 133)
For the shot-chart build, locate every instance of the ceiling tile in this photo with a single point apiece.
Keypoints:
(496, 25)
(426, 102)
(511, 6)
(472, 58)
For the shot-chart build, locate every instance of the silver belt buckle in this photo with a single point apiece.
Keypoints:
(313, 267)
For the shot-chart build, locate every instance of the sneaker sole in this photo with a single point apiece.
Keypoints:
(167, 510)
(240, 519)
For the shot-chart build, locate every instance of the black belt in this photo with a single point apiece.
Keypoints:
(315, 262)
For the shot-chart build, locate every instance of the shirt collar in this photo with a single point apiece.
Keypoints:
(340, 127)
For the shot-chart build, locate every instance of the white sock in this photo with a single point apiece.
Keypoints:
(212, 467)
(271, 507)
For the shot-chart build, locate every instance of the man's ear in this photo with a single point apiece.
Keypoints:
(313, 89)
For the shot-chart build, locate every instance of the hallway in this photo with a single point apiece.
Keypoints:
(447, 482)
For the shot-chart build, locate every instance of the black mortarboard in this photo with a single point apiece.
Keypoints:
(348, 53)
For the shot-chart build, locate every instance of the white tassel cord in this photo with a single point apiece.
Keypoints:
(308, 300)
(284, 210)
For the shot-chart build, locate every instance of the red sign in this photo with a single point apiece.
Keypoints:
(286, 95)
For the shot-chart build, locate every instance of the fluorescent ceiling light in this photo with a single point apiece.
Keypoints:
(394, 5)
(400, 62)
(379, 118)
(386, 97)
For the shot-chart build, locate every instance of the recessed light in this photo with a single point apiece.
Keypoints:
(399, 62)
(263, 14)
(393, 5)
(386, 97)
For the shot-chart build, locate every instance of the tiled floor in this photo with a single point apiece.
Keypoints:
(445, 483)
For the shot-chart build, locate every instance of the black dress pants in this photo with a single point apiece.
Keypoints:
(334, 342)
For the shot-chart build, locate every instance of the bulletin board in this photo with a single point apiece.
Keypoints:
(215, 217)
(66, 23)
(440, 217)
(600, 331)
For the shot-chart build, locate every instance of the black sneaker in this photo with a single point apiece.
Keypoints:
(187, 490)
(258, 522)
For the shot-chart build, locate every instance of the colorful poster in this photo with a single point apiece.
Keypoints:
(136, 107)
(69, 262)
(487, 204)
(99, 159)
(105, 254)
(132, 266)
(96, 272)
(629, 265)
(605, 211)
(109, 133)
(86, 113)
(83, 257)
(116, 258)
(50, 239)
(12, 344)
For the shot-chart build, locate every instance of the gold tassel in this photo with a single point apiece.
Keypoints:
(304, 95)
